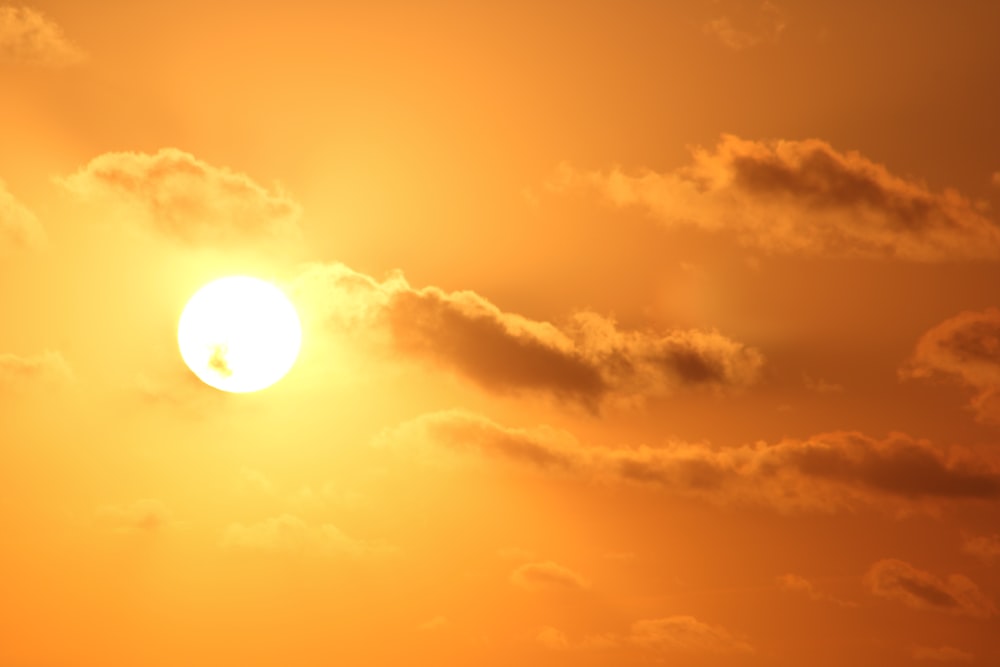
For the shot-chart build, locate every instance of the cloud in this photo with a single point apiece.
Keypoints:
(17, 371)
(143, 516)
(826, 472)
(821, 386)
(685, 633)
(671, 634)
(802, 197)
(956, 594)
(964, 349)
(764, 24)
(797, 584)
(19, 228)
(289, 533)
(941, 654)
(553, 639)
(187, 199)
(435, 623)
(547, 576)
(27, 36)
(585, 360)
(984, 547)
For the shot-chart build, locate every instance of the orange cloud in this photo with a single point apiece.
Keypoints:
(966, 349)
(985, 547)
(798, 584)
(586, 360)
(544, 576)
(802, 197)
(289, 533)
(187, 199)
(941, 654)
(27, 36)
(19, 228)
(17, 371)
(765, 24)
(827, 472)
(898, 580)
(671, 634)
(143, 516)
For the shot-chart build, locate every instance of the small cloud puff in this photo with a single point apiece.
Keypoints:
(984, 547)
(547, 576)
(17, 371)
(667, 635)
(186, 199)
(28, 36)
(964, 349)
(798, 584)
(747, 29)
(143, 516)
(956, 594)
(802, 197)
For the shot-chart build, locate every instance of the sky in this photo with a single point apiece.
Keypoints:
(634, 333)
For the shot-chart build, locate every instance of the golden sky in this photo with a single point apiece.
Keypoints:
(634, 333)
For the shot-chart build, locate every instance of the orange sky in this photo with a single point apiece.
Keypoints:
(634, 332)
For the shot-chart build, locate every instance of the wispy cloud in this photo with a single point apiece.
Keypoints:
(546, 576)
(747, 28)
(28, 36)
(826, 473)
(19, 228)
(289, 533)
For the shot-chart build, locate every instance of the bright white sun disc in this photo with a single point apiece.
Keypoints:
(239, 334)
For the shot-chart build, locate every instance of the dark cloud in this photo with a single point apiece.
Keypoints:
(955, 594)
(803, 197)
(964, 349)
(19, 228)
(186, 199)
(827, 472)
(28, 36)
(587, 359)
(547, 576)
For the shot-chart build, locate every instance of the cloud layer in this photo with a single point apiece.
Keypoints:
(827, 472)
(19, 228)
(586, 360)
(955, 594)
(803, 197)
(187, 199)
(964, 349)
(27, 36)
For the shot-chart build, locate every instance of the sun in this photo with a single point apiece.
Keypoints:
(239, 334)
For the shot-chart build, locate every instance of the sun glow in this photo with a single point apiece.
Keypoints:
(239, 334)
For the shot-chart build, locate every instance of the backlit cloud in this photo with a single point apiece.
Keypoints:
(19, 228)
(28, 36)
(802, 197)
(545, 576)
(187, 199)
(586, 359)
(965, 349)
(289, 533)
(827, 472)
(954, 594)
